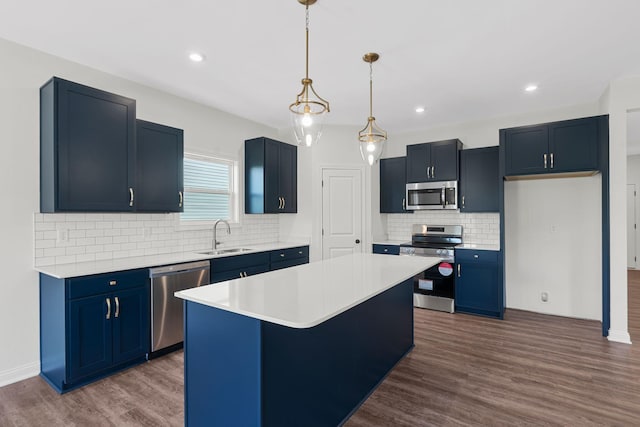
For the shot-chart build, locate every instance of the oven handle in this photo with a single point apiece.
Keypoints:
(442, 197)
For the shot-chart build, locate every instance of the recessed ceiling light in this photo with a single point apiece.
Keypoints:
(531, 88)
(419, 109)
(196, 57)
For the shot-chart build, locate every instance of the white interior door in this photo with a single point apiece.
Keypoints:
(631, 226)
(341, 212)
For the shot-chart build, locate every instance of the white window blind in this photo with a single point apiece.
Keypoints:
(208, 188)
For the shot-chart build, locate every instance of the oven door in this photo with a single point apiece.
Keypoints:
(432, 195)
(436, 281)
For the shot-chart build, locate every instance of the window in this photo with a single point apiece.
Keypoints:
(209, 189)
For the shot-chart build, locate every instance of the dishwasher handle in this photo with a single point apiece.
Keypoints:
(168, 270)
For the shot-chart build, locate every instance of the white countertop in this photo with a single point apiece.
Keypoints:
(307, 295)
(479, 246)
(391, 242)
(63, 271)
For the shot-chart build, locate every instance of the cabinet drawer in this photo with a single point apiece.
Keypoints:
(79, 287)
(386, 249)
(238, 273)
(238, 262)
(289, 263)
(474, 255)
(289, 253)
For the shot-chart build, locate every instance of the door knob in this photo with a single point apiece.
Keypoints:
(357, 241)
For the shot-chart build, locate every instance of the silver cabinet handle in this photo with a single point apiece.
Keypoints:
(108, 309)
(386, 250)
(180, 198)
(428, 167)
(282, 255)
(545, 160)
(463, 201)
(300, 252)
(433, 171)
(551, 160)
(458, 270)
(117, 307)
(130, 196)
(404, 204)
(431, 174)
(112, 282)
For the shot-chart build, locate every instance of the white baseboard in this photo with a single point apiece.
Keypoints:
(619, 336)
(20, 373)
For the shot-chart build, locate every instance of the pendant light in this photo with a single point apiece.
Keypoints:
(372, 137)
(309, 109)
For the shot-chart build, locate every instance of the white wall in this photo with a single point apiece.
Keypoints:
(621, 96)
(22, 73)
(633, 177)
(553, 244)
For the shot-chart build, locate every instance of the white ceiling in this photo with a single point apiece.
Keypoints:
(463, 60)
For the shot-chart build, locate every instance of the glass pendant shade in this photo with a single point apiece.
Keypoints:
(309, 110)
(372, 141)
(307, 115)
(372, 138)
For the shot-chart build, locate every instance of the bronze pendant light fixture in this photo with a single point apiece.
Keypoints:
(309, 109)
(371, 137)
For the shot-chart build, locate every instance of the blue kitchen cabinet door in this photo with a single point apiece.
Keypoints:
(479, 180)
(159, 168)
(574, 145)
(444, 160)
(270, 176)
(386, 249)
(526, 149)
(418, 161)
(288, 177)
(89, 336)
(130, 323)
(87, 149)
(477, 283)
(393, 184)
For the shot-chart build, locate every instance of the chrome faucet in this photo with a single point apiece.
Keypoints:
(215, 226)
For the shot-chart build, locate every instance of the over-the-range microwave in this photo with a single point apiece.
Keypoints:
(432, 195)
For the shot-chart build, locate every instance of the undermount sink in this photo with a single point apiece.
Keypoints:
(224, 251)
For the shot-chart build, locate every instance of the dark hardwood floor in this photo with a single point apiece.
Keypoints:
(530, 369)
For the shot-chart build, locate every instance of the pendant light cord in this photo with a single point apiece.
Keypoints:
(307, 41)
(370, 89)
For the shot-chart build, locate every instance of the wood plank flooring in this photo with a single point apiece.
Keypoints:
(530, 369)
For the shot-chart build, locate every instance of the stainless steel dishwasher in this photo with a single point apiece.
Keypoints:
(166, 310)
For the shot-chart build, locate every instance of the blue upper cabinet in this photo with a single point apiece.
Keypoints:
(159, 171)
(560, 147)
(479, 180)
(87, 149)
(434, 161)
(393, 182)
(271, 176)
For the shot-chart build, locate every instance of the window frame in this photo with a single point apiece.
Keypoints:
(234, 196)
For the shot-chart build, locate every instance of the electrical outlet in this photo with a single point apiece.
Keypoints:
(63, 235)
(544, 297)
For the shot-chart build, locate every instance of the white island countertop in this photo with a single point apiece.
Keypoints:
(307, 295)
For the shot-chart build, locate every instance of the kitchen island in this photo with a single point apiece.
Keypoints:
(301, 346)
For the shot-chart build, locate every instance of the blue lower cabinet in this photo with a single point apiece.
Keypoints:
(87, 337)
(238, 273)
(386, 249)
(478, 288)
(290, 257)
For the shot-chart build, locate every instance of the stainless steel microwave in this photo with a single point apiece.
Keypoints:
(432, 195)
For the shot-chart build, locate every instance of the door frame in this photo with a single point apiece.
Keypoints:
(635, 218)
(365, 179)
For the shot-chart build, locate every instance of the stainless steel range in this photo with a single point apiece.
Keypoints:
(434, 288)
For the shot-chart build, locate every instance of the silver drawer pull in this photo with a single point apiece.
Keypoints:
(300, 252)
(180, 198)
(108, 309)
(130, 196)
(476, 256)
(112, 283)
(282, 255)
(117, 307)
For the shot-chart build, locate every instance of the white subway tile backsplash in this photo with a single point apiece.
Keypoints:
(105, 236)
(479, 228)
